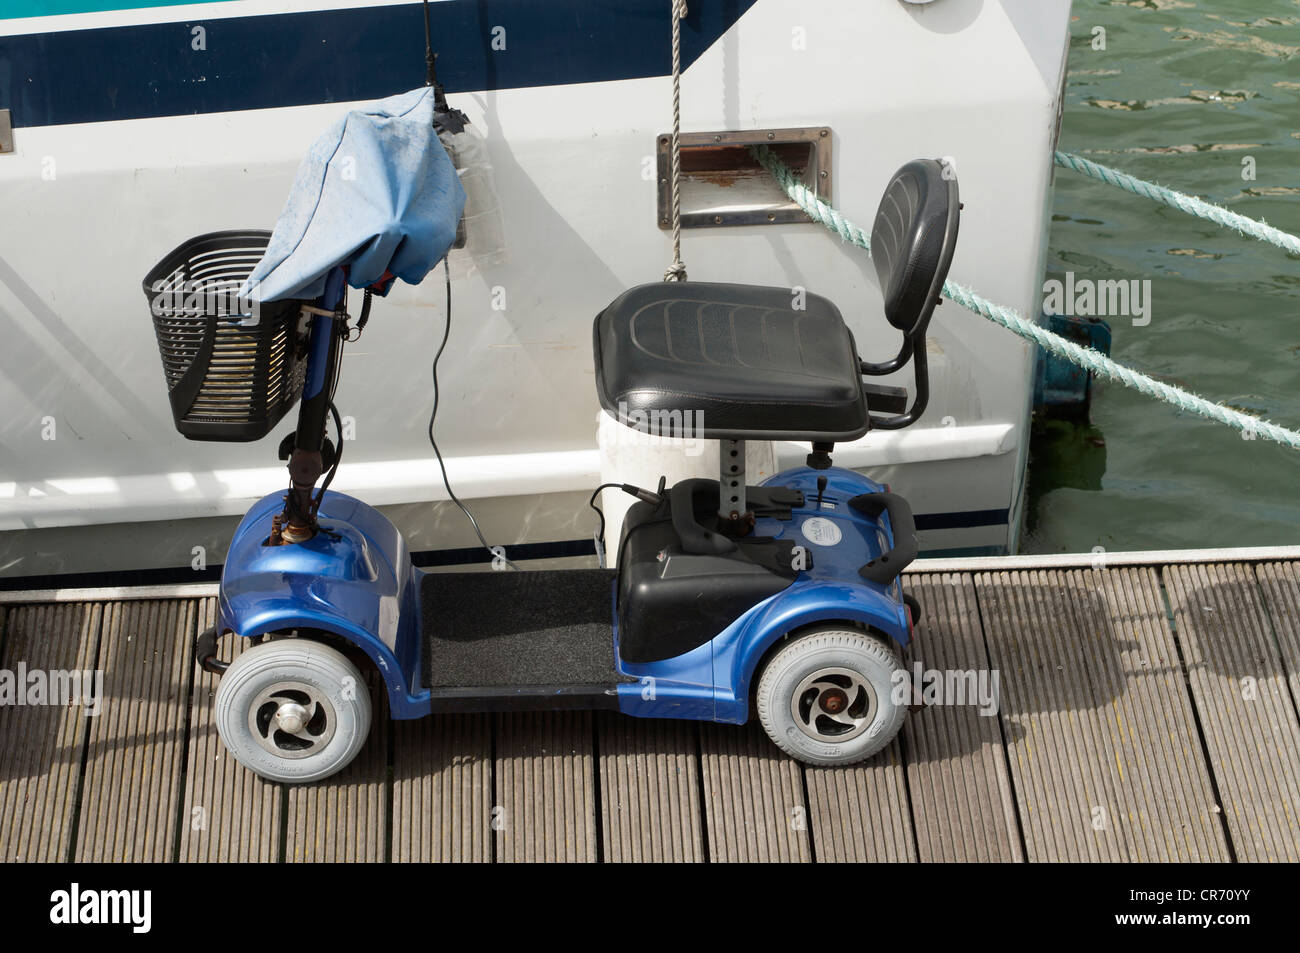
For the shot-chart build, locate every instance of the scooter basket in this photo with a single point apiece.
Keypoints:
(227, 380)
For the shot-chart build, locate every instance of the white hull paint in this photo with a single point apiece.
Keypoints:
(976, 81)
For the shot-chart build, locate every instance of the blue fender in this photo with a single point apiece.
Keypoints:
(830, 591)
(353, 579)
(737, 656)
(714, 680)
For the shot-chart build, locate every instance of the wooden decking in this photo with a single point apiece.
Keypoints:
(1148, 712)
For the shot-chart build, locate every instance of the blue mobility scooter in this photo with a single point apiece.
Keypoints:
(781, 599)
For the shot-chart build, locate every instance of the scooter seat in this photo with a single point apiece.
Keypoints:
(729, 362)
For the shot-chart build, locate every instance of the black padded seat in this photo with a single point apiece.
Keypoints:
(739, 355)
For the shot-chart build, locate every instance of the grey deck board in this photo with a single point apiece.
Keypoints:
(1239, 681)
(956, 768)
(649, 790)
(228, 813)
(859, 813)
(41, 747)
(1280, 586)
(133, 760)
(545, 797)
(344, 818)
(753, 797)
(1165, 797)
(1132, 701)
(442, 789)
(1061, 771)
(1102, 742)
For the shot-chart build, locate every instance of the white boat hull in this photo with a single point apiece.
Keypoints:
(977, 82)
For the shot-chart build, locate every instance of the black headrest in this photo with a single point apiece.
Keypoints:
(912, 241)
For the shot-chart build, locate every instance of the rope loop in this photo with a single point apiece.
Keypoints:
(677, 270)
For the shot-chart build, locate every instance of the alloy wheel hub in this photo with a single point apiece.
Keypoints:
(834, 705)
(292, 720)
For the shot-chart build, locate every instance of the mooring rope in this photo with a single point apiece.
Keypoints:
(1085, 357)
(1181, 201)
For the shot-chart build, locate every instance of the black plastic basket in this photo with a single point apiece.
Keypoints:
(227, 380)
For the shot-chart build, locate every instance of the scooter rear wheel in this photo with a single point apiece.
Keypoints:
(293, 710)
(827, 697)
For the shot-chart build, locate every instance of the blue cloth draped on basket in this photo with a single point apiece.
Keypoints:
(377, 193)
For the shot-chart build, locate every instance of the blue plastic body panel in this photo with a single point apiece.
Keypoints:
(355, 579)
(318, 357)
(831, 591)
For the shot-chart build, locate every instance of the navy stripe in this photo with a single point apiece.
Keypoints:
(296, 59)
(961, 552)
(171, 576)
(962, 519)
(520, 551)
(183, 574)
(468, 556)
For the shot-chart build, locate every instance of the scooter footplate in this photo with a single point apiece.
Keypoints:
(512, 630)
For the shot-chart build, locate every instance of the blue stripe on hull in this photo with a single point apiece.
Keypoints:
(18, 9)
(296, 59)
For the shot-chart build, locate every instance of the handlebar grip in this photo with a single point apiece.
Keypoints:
(885, 568)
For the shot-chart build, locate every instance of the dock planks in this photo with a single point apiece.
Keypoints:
(1145, 713)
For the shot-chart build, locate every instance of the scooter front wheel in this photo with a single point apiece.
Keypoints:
(828, 697)
(293, 710)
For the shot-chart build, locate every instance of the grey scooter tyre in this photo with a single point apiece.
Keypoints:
(831, 696)
(293, 710)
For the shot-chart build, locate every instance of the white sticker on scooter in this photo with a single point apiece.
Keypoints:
(821, 531)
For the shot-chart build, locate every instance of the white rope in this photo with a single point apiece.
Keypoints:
(1085, 357)
(677, 270)
(1181, 201)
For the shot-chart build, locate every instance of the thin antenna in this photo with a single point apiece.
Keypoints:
(430, 58)
(445, 119)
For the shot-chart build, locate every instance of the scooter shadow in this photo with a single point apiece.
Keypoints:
(1075, 642)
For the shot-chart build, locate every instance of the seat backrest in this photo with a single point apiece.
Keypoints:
(912, 241)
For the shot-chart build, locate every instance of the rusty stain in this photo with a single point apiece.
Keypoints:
(725, 179)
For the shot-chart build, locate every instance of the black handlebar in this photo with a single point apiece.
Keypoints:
(885, 568)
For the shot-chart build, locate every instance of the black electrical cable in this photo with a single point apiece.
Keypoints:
(446, 333)
(341, 329)
(599, 512)
(338, 455)
(365, 316)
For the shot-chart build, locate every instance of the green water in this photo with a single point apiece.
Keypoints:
(1183, 92)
